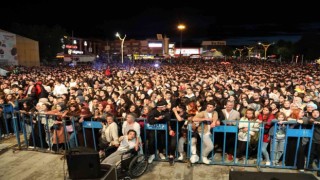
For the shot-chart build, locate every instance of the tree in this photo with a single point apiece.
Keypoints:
(284, 48)
(309, 46)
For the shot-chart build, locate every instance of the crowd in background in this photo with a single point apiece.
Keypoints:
(191, 93)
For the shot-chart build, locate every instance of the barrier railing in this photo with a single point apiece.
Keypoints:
(44, 128)
(156, 128)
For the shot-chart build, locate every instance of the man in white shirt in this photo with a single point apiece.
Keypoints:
(59, 88)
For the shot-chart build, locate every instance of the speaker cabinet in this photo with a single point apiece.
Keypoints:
(83, 163)
(109, 172)
(241, 175)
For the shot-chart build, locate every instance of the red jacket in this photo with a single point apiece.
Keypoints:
(267, 126)
(107, 72)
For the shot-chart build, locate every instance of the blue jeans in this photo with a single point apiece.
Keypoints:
(277, 148)
(265, 152)
(72, 140)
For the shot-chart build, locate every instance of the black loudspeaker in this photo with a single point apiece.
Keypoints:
(241, 175)
(109, 172)
(83, 163)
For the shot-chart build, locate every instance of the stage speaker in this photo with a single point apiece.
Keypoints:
(109, 172)
(241, 175)
(83, 163)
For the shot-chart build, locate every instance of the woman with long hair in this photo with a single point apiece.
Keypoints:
(59, 136)
(266, 117)
(292, 147)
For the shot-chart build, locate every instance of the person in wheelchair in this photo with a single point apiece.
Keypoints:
(128, 142)
(126, 159)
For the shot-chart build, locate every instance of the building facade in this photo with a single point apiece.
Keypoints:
(18, 50)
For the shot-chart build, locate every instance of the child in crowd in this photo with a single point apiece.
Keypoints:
(278, 135)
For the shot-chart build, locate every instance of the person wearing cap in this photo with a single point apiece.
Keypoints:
(157, 116)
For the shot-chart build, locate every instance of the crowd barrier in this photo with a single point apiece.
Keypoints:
(44, 133)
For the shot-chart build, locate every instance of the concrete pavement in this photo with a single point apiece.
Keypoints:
(32, 165)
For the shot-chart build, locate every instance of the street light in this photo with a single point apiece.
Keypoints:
(122, 42)
(249, 51)
(265, 46)
(181, 27)
(240, 51)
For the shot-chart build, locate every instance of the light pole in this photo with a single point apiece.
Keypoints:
(122, 42)
(181, 27)
(265, 46)
(249, 51)
(240, 51)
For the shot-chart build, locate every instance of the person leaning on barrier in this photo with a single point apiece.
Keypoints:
(179, 113)
(38, 136)
(209, 118)
(72, 114)
(58, 137)
(245, 135)
(230, 114)
(295, 155)
(157, 116)
(315, 149)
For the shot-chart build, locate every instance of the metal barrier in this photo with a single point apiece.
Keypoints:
(226, 129)
(8, 113)
(156, 128)
(93, 125)
(44, 124)
(296, 133)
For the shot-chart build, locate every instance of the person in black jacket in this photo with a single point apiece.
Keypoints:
(315, 150)
(157, 116)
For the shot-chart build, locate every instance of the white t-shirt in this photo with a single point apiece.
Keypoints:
(125, 144)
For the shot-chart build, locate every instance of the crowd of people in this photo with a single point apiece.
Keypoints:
(210, 93)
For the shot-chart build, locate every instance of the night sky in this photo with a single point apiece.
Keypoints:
(140, 21)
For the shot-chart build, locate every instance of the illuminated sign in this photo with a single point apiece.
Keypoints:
(71, 46)
(77, 52)
(187, 51)
(214, 43)
(155, 45)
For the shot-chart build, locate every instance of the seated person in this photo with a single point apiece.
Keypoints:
(109, 136)
(127, 142)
